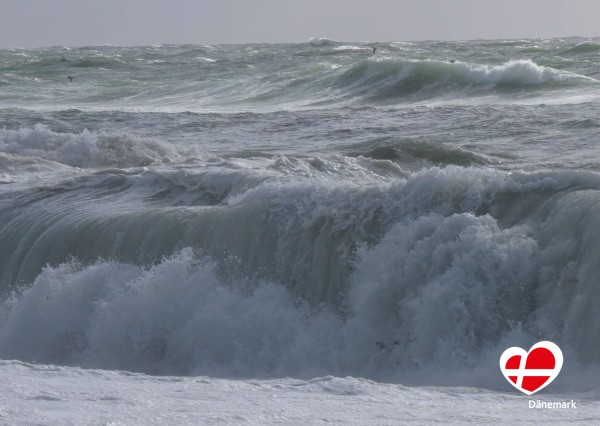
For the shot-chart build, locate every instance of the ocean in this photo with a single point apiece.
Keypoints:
(297, 233)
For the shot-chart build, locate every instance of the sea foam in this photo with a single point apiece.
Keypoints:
(86, 149)
(397, 281)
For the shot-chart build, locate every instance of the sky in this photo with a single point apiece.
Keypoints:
(36, 23)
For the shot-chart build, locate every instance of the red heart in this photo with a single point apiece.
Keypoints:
(534, 370)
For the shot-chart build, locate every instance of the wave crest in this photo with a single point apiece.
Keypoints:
(388, 79)
(322, 42)
(585, 47)
(86, 149)
(394, 281)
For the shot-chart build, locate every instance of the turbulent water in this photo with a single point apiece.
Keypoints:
(302, 209)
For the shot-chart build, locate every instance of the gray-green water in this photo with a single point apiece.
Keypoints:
(305, 209)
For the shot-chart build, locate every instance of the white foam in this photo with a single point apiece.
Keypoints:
(322, 41)
(440, 288)
(521, 71)
(86, 149)
(176, 317)
(34, 394)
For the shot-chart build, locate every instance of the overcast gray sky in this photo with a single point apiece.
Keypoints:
(32, 23)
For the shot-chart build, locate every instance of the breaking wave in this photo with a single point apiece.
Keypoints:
(321, 72)
(400, 280)
(86, 149)
(416, 154)
(386, 80)
(322, 42)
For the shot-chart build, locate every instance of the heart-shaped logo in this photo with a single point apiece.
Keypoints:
(532, 371)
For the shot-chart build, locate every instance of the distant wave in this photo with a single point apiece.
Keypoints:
(321, 42)
(319, 73)
(416, 154)
(585, 47)
(390, 81)
(101, 61)
(86, 149)
(391, 78)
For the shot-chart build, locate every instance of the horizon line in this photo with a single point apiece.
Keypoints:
(301, 42)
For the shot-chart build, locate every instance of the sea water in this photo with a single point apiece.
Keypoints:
(297, 232)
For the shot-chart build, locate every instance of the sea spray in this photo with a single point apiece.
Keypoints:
(301, 210)
(408, 284)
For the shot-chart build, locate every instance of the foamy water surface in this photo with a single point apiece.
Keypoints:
(264, 215)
